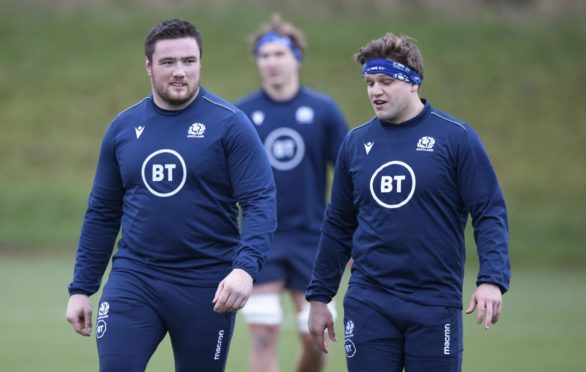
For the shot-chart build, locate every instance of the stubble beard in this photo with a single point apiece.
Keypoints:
(164, 91)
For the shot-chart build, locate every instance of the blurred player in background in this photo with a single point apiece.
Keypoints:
(404, 185)
(301, 130)
(171, 171)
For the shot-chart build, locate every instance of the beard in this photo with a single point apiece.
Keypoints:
(171, 97)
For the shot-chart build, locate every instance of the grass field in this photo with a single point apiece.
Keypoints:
(542, 328)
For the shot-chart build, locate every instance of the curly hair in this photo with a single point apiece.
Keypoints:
(402, 49)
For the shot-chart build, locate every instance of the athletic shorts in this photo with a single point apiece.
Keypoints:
(290, 259)
(385, 333)
(136, 311)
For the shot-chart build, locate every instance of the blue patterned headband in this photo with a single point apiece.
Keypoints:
(393, 69)
(273, 37)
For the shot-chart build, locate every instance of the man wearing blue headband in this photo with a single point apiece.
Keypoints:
(404, 185)
(301, 130)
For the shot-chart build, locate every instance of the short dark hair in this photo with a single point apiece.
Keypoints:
(171, 29)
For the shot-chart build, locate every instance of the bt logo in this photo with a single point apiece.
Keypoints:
(164, 173)
(393, 184)
(386, 184)
(101, 328)
(349, 348)
(285, 148)
(159, 172)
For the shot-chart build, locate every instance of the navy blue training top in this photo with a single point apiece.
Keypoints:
(400, 200)
(301, 136)
(172, 180)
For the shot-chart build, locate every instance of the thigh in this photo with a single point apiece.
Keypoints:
(264, 307)
(299, 301)
(433, 341)
(199, 336)
(372, 342)
(128, 329)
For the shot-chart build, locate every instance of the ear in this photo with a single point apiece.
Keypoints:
(149, 67)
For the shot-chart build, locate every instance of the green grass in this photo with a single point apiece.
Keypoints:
(541, 330)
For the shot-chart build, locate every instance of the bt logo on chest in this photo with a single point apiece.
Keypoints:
(392, 185)
(285, 148)
(164, 173)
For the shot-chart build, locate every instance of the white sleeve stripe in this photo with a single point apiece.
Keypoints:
(361, 125)
(218, 104)
(133, 106)
(451, 121)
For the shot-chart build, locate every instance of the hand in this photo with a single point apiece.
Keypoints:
(320, 320)
(489, 300)
(233, 291)
(79, 314)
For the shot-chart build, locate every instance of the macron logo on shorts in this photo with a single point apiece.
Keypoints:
(219, 345)
(447, 333)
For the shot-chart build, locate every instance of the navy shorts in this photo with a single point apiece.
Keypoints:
(290, 259)
(385, 333)
(136, 311)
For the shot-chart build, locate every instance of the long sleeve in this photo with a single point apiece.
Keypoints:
(101, 222)
(254, 188)
(335, 246)
(484, 200)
